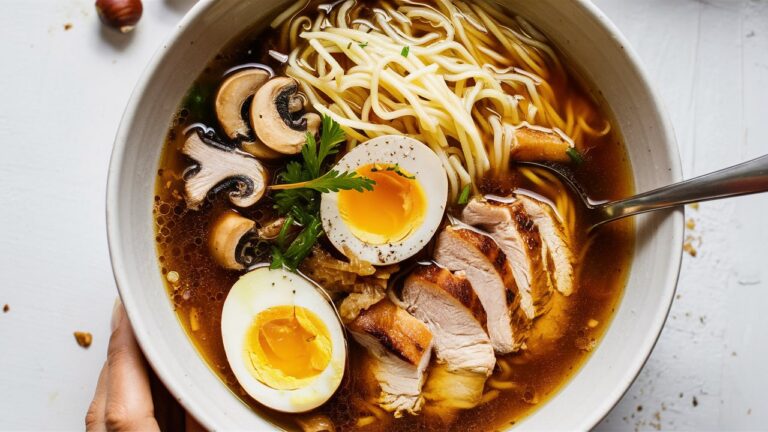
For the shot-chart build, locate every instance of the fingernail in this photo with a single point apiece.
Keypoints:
(117, 314)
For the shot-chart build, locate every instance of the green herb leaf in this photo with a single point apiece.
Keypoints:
(277, 259)
(302, 244)
(405, 51)
(281, 236)
(331, 136)
(197, 102)
(575, 156)
(309, 154)
(363, 44)
(294, 173)
(332, 181)
(298, 195)
(464, 195)
(396, 168)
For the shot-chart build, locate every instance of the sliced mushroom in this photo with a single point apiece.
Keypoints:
(278, 117)
(258, 149)
(535, 145)
(226, 239)
(232, 95)
(230, 100)
(220, 167)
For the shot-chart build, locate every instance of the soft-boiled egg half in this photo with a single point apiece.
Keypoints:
(283, 340)
(402, 212)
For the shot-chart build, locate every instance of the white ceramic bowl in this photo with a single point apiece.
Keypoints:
(577, 27)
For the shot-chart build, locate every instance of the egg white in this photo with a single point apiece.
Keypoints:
(261, 289)
(415, 158)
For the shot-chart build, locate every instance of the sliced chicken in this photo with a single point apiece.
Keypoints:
(519, 239)
(451, 309)
(555, 242)
(487, 269)
(453, 389)
(401, 347)
(449, 306)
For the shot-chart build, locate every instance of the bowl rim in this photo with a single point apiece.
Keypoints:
(678, 224)
(115, 178)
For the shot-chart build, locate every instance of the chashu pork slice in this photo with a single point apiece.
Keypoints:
(488, 271)
(557, 249)
(401, 346)
(449, 306)
(519, 238)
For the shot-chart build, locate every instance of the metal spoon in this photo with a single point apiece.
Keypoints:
(742, 179)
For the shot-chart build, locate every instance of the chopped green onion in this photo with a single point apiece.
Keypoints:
(363, 44)
(464, 195)
(575, 156)
(405, 51)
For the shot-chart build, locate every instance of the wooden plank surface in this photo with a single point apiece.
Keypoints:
(64, 92)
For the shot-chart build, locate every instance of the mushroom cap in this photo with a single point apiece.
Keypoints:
(277, 116)
(221, 167)
(227, 232)
(231, 97)
(259, 150)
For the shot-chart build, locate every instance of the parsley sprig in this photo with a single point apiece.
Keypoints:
(297, 196)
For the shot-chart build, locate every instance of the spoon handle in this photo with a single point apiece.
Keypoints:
(746, 178)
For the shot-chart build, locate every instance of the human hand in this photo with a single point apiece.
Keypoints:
(123, 399)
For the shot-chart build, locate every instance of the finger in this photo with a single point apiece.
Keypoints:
(129, 400)
(94, 418)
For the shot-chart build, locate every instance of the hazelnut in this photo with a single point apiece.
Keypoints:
(119, 14)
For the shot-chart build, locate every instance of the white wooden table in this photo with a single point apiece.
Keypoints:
(62, 93)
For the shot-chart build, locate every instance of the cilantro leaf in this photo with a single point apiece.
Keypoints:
(313, 154)
(294, 173)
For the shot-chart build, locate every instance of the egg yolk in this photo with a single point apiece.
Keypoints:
(287, 347)
(390, 212)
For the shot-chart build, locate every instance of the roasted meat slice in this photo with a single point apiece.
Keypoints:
(555, 241)
(401, 347)
(518, 236)
(487, 269)
(449, 306)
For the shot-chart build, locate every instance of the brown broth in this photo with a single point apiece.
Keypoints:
(539, 372)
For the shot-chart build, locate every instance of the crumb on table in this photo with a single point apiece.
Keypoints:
(84, 339)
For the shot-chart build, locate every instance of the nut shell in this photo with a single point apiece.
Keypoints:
(120, 14)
